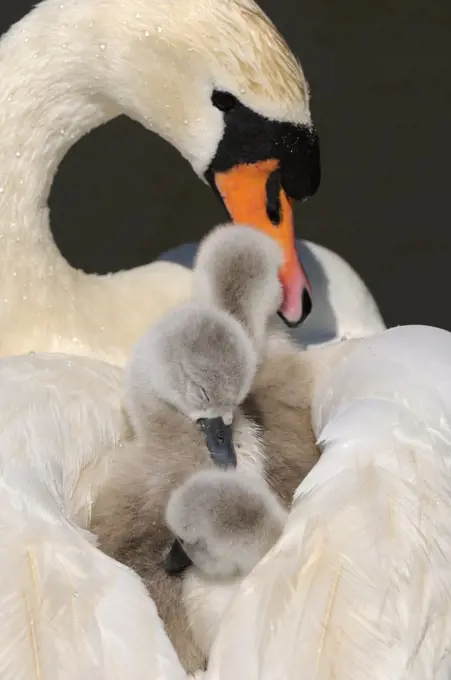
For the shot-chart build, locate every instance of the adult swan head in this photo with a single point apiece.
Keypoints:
(212, 77)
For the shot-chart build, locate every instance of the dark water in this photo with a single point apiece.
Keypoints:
(380, 75)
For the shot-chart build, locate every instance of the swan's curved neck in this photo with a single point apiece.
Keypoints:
(45, 107)
(57, 83)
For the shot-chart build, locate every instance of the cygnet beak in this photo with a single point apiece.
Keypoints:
(219, 440)
(253, 195)
(176, 561)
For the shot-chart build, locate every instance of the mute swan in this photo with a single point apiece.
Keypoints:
(67, 610)
(186, 379)
(359, 583)
(62, 420)
(225, 524)
(343, 306)
(213, 78)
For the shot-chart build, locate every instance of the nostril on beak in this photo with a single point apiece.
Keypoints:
(273, 205)
(307, 304)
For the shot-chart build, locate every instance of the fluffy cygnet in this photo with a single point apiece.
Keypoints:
(201, 362)
(224, 521)
(225, 524)
(237, 270)
(184, 383)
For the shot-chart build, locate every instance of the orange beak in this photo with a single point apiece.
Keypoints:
(252, 197)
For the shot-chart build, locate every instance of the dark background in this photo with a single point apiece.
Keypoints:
(380, 74)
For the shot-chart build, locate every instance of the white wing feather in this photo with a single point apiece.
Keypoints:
(359, 584)
(67, 611)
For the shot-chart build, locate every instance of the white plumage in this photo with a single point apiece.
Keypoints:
(324, 600)
(359, 584)
(66, 609)
(343, 306)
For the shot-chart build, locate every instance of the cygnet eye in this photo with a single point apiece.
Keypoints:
(224, 101)
(205, 395)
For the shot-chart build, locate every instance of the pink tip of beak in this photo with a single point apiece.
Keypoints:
(297, 295)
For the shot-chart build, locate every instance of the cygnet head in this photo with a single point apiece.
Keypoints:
(224, 523)
(237, 270)
(201, 362)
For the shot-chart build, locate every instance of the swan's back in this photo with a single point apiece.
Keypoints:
(407, 365)
(359, 584)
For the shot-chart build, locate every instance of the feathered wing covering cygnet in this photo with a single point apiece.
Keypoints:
(67, 611)
(358, 586)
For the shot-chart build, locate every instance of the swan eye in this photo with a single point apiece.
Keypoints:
(224, 101)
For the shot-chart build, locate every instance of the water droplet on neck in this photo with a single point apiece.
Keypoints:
(2, 189)
(18, 154)
(146, 33)
(102, 47)
(159, 29)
